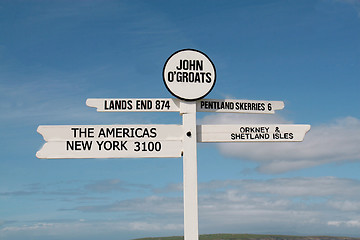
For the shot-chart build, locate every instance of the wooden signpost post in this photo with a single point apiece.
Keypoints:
(189, 75)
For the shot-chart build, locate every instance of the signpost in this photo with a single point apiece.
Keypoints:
(189, 75)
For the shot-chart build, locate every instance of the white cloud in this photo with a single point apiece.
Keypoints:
(308, 205)
(350, 223)
(111, 185)
(306, 187)
(291, 187)
(335, 142)
(151, 204)
(82, 229)
(345, 205)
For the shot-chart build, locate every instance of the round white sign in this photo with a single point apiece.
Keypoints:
(189, 74)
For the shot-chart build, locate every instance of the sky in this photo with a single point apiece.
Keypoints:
(56, 54)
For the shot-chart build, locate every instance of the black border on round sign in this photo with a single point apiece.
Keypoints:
(195, 99)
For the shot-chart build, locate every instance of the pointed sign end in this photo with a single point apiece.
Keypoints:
(40, 130)
(281, 105)
(90, 102)
(39, 154)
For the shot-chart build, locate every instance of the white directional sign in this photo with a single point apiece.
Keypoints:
(134, 104)
(111, 141)
(252, 133)
(238, 106)
(173, 105)
(189, 74)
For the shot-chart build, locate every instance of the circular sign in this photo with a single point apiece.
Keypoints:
(189, 74)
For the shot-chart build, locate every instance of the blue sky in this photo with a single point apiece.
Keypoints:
(56, 54)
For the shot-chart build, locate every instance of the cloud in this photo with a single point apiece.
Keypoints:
(311, 205)
(303, 205)
(152, 204)
(77, 190)
(292, 187)
(111, 185)
(345, 205)
(82, 229)
(350, 223)
(174, 187)
(281, 205)
(338, 141)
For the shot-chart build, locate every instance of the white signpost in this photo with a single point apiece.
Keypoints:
(189, 75)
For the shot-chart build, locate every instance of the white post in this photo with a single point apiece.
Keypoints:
(188, 111)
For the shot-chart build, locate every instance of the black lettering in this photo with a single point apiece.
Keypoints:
(144, 104)
(191, 77)
(116, 145)
(180, 65)
(86, 145)
(118, 132)
(126, 133)
(132, 132)
(78, 145)
(208, 77)
(234, 136)
(153, 133)
(110, 132)
(69, 145)
(129, 104)
(137, 146)
(123, 145)
(199, 65)
(262, 107)
(192, 65)
(202, 77)
(281, 136)
(185, 76)
(118, 105)
(145, 133)
(107, 145)
(253, 106)
(111, 105)
(167, 104)
(170, 76)
(185, 65)
(101, 133)
(178, 77)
